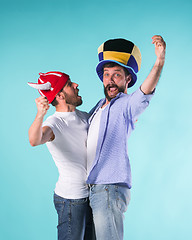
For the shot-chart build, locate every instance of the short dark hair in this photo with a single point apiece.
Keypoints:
(113, 64)
(55, 102)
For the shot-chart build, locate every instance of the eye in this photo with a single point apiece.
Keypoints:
(117, 75)
(106, 74)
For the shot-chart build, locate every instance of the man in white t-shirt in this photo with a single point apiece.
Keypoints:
(65, 134)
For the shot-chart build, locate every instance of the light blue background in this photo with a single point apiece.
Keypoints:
(39, 36)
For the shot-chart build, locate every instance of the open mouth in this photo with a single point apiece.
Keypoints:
(112, 89)
(78, 94)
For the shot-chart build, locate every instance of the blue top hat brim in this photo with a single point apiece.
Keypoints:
(99, 70)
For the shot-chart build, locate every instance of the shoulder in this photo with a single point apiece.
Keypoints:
(51, 118)
(51, 121)
(124, 101)
(82, 114)
(138, 95)
(121, 98)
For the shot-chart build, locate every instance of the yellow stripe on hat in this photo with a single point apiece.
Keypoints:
(137, 55)
(117, 56)
(100, 49)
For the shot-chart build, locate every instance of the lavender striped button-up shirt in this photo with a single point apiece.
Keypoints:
(111, 164)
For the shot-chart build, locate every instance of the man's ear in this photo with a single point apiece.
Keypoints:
(128, 80)
(60, 96)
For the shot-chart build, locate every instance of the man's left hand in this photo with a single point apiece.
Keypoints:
(160, 47)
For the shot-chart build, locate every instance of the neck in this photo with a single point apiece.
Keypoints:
(106, 103)
(65, 108)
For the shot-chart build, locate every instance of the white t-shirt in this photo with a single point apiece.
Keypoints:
(92, 139)
(68, 150)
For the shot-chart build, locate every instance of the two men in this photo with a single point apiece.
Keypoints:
(65, 133)
(111, 124)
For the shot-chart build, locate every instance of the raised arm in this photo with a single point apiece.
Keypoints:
(152, 79)
(37, 134)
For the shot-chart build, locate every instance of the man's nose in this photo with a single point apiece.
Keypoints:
(111, 79)
(75, 85)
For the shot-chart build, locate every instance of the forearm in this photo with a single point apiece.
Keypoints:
(35, 131)
(152, 79)
(37, 134)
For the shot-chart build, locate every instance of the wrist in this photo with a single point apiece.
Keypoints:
(40, 115)
(160, 62)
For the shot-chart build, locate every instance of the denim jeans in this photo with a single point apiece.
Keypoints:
(109, 203)
(75, 221)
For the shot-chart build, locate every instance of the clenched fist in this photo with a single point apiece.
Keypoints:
(160, 47)
(42, 106)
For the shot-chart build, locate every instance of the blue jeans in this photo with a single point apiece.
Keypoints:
(109, 203)
(75, 221)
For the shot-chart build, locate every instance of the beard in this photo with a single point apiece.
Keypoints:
(113, 85)
(73, 100)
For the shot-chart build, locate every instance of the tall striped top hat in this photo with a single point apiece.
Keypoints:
(122, 52)
(50, 83)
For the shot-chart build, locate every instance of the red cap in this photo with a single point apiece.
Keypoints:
(50, 83)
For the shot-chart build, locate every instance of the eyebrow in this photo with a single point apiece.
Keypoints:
(68, 81)
(117, 70)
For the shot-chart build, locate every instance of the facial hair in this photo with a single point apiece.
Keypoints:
(106, 89)
(72, 100)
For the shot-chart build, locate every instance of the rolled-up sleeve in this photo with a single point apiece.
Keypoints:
(137, 103)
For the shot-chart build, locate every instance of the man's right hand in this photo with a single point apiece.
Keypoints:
(42, 106)
(38, 134)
